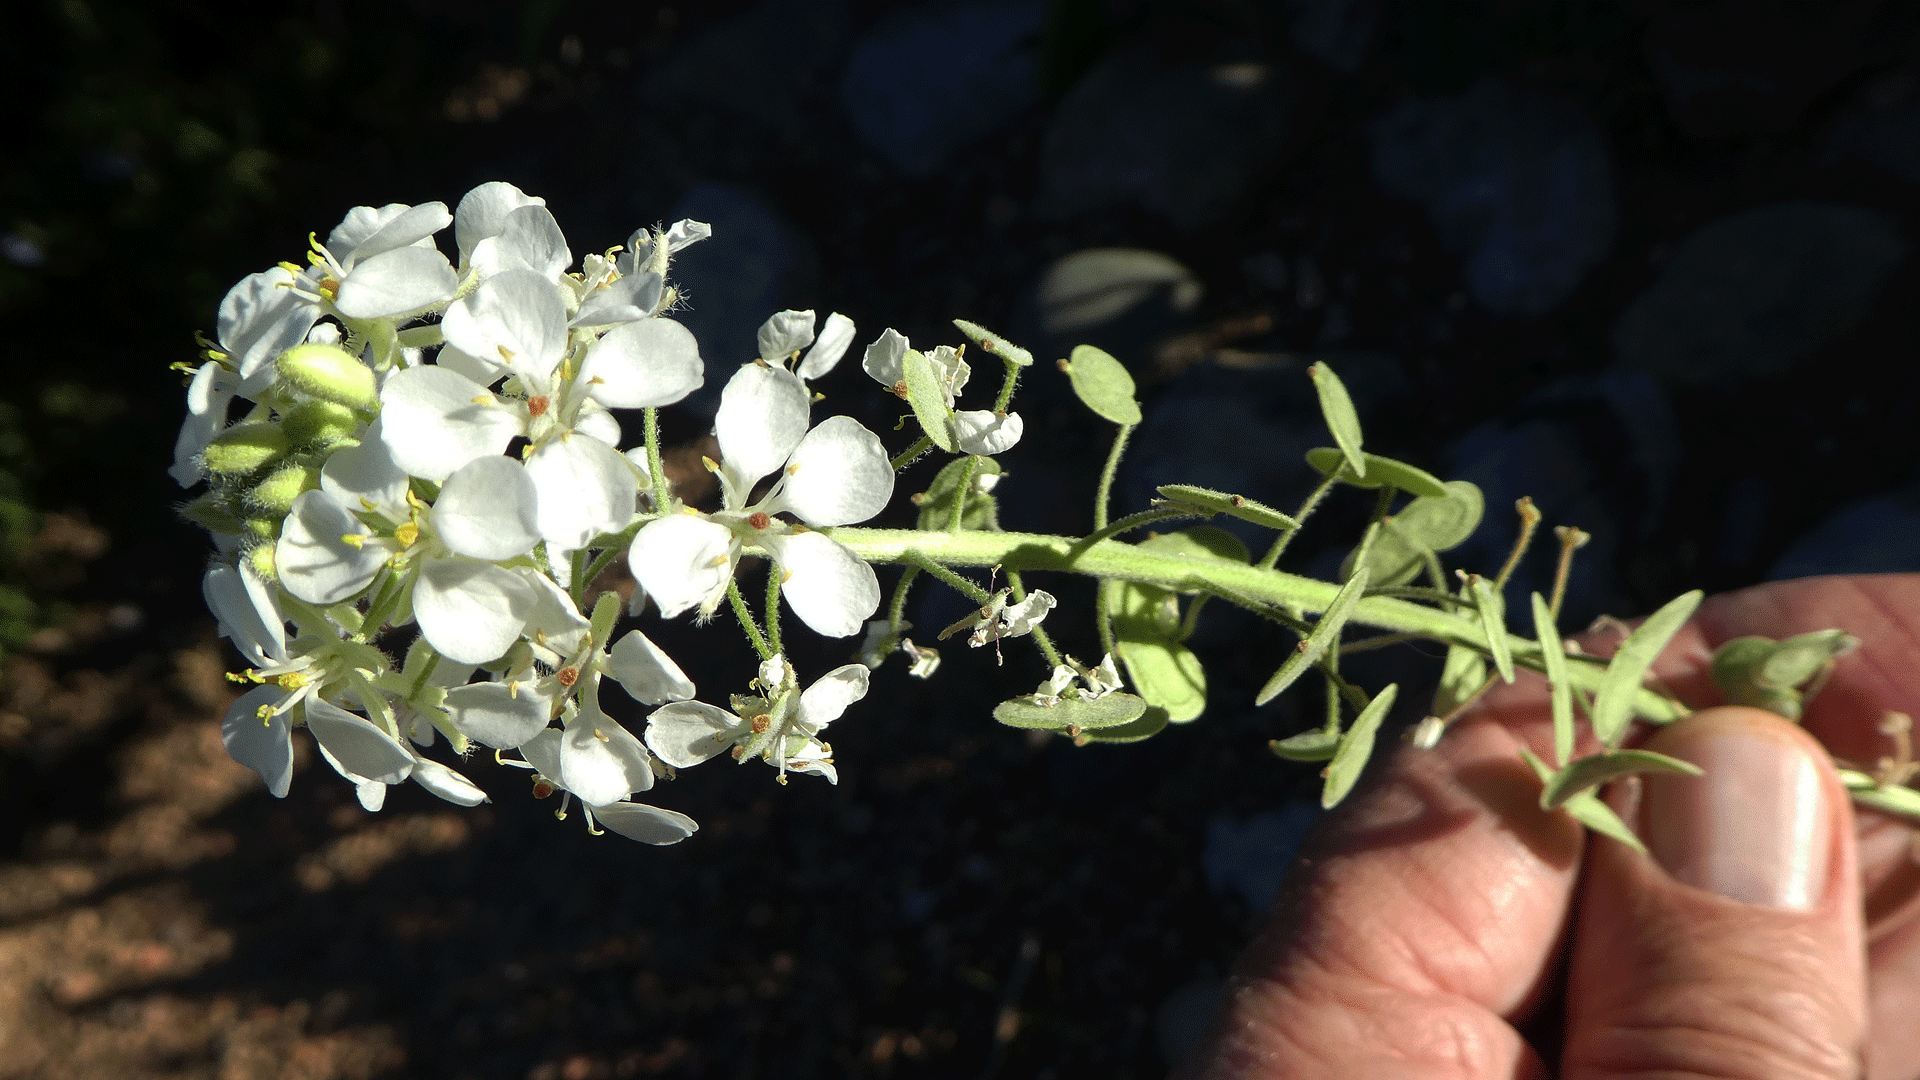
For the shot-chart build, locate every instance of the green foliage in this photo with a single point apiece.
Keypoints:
(1588, 773)
(1220, 502)
(1071, 714)
(994, 343)
(1777, 675)
(927, 396)
(1553, 655)
(1613, 702)
(1381, 472)
(1350, 760)
(1103, 384)
(936, 503)
(1422, 529)
(1342, 420)
(1325, 634)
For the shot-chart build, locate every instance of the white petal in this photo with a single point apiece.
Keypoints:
(260, 318)
(828, 586)
(395, 283)
(585, 489)
(762, 417)
(529, 239)
(407, 228)
(785, 333)
(265, 746)
(636, 296)
(208, 395)
(446, 783)
(953, 370)
(488, 509)
(595, 421)
(435, 420)
(359, 226)
(883, 358)
(775, 673)
(980, 431)
(686, 231)
(646, 671)
(515, 318)
(247, 612)
(358, 744)
(499, 714)
(367, 478)
(556, 621)
(839, 474)
(682, 561)
(471, 611)
(825, 700)
(1021, 618)
(643, 364)
(543, 753)
(647, 824)
(314, 562)
(810, 756)
(600, 761)
(686, 733)
(829, 347)
(483, 211)
(480, 371)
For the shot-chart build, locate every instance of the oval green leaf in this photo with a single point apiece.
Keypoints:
(1167, 675)
(1380, 470)
(1588, 773)
(1613, 702)
(928, 398)
(1151, 723)
(1427, 525)
(1221, 502)
(1798, 659)
(1142, 612)
(1356, 747)
(1342, 420)
(936, 503)
(1104, 384)
(1320, 744)
(1460, 679)
(1109, 711)
(1324, 634)
(994, 343)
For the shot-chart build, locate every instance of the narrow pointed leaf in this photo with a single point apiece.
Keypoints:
(1351, 759)
(1588, 810)
(1460, 678)
(1892, 798)
(1590, 772)
(1221, 502)
(1103, 712)
(1613, 703)
(1493, 623)
(1325, 633)
(1554, 657)
(1342, 421)
(1380, 471)
(1103, 384)
(1318, 744)
(1798, 659)
(926, 395)
(994, 343)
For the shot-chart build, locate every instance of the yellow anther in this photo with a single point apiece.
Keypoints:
(354, 540)
(506, 354)
(265, 713)
(712, 466)
(483, 399)
(717, 560)
(601, 735)
(793, 468)
(408, 534)
(293, 680)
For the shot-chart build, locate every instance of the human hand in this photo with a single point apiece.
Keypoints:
(1440, 924)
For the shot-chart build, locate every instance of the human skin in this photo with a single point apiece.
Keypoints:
(1439, 924)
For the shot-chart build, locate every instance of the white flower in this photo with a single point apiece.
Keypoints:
(783, 336)
(999, 619)
(836, 474)
(208, 395)
(974, 431)
(781, 726)
(599, 762)
(1095, 682)
(923, 662)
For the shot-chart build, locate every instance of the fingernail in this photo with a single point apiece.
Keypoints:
(1755, 828)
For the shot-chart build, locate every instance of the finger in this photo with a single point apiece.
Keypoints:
(1734, 947)
(1419, 925)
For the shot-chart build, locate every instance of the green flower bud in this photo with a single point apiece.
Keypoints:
(262, 560)
(276, 493)
(213, 513)
(319, 423)
(264, 527)
(329, 373)
(243, 448)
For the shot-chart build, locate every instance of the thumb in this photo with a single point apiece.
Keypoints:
(1734, 948)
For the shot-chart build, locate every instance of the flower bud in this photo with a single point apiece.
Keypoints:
(243, 448)
(319, 423)
(213, 513)
(264, 527)
(276, 493)
(262, 561)
(329, 373)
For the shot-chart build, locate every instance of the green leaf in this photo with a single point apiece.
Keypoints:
(1168, 675)
(1316, 745)
(1104, 384)
(1460, 679)
(936, 503)
(606, 613)
(1221, 502)
(1892, 798)
(1428, 524)
(1493, 623)
(1590, 772)
(1342, 421)
(1351, 759)
(1588, 810)
(1200, 542)
(1540, 768)
(994, 343)
(928, 398)
(1799, 659)
(1324, 634)
(1143, 612)
(1109, 711)
(1613, 703)
(1553, 655)
(1380, 470)
(1151, 723)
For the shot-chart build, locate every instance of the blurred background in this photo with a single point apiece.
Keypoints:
(1650, 264)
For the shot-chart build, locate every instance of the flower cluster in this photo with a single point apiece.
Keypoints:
(394, 436)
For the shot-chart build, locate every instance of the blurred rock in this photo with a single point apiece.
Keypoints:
(766, 64)
(754, 265)
(1518, 181)
(1094, 286)
(1747, 68)
(1597, 452)
(1754, 293)
(1335, 31)
(1251, 857)
(1880, 535)
(919, 114)
(1184, 140)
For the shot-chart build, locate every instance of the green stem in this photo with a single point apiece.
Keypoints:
(773, 606)
(617, 547)
(1006, 386)
(657, 472)
(952, 580)
(1040, 636)
(1134, 521)
(897, 611)
(912, 453)
(1105, 490)
(1260, 589)
(1300, 518)
(745, 615)
(962, 491)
